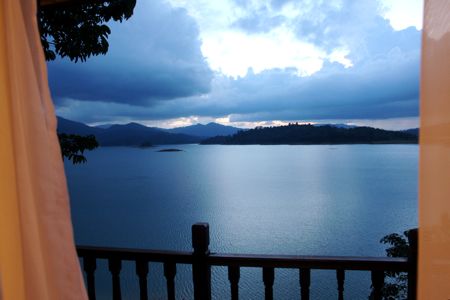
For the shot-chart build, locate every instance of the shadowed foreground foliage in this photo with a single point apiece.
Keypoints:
(73, 146)
(396, 286)
(79, 31)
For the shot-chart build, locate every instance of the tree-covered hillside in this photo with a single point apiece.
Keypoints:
(310, 134)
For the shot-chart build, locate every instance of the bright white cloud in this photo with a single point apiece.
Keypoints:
(234, 52)
(301, 35)
(227, 122)
(176, 122)
(403, 13)
(210, 15)
(340, 55)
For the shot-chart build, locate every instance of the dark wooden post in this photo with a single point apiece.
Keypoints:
(305, 283)
(268, 279)
(377, 283)
(115, 265)
(90, 265)
(340, 275)
(412, 263)
(170, 270)
(201, 271)
(233, 277)
(142, 272)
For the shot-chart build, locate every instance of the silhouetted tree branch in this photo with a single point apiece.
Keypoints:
(396, 285)
(79, 30)
(73, 146)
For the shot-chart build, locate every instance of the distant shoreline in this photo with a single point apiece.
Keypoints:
(313, 135)
(307, 144)
(304, 144)
(138, 135)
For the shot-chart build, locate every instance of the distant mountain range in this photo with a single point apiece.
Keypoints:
(312, 134)
(72, 127)
(134, 134)
(414, 131)
(205, 131)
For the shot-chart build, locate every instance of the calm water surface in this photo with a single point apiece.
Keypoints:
(304, 200)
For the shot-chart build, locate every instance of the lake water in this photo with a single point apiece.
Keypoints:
(303, 200)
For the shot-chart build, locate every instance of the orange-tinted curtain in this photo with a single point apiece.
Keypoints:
(434, 174)
(37, 253)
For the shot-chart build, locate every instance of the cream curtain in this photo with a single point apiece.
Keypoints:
(434, 175)
(37, 253)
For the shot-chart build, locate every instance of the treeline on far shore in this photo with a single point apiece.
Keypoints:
(311, 134)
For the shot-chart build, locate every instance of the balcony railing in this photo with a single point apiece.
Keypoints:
(202, 259)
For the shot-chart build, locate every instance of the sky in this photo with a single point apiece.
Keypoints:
(251, 63)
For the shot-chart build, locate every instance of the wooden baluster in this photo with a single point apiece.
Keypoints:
(268, 279)
(412, 263)
(377, 283)
(201, 271)
(233, 277)
(305, 282)
(340, 275)
(89, 265)
(142, 272)
(115, 265)
(170, 270)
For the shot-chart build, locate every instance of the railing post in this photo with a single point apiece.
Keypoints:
(233, 277)
(377, 283)
(170, 270)
(340, 275)
(305, 283)
(115, 265)
(201, 271)
(89, 267)
(142, 272)
(268, 279)
(412, 264)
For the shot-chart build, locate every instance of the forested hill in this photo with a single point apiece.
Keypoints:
(310, 134)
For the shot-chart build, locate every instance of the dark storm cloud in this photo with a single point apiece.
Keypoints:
(382, 83)
(153, 56)
(383, 88)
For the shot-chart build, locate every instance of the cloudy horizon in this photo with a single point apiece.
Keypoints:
(251, 63)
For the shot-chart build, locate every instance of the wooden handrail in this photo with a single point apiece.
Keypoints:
(362, 263)
(311, 262)
(202, 259)
(178, 257)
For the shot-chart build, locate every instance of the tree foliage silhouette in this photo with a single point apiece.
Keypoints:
(78, 31)
(73, 146)
(310, 134)
(396, 285)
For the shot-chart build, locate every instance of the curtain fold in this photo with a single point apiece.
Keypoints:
(434, 174)
(37, 252)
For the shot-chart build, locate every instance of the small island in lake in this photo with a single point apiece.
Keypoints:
(145, 145)
(170, 150)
